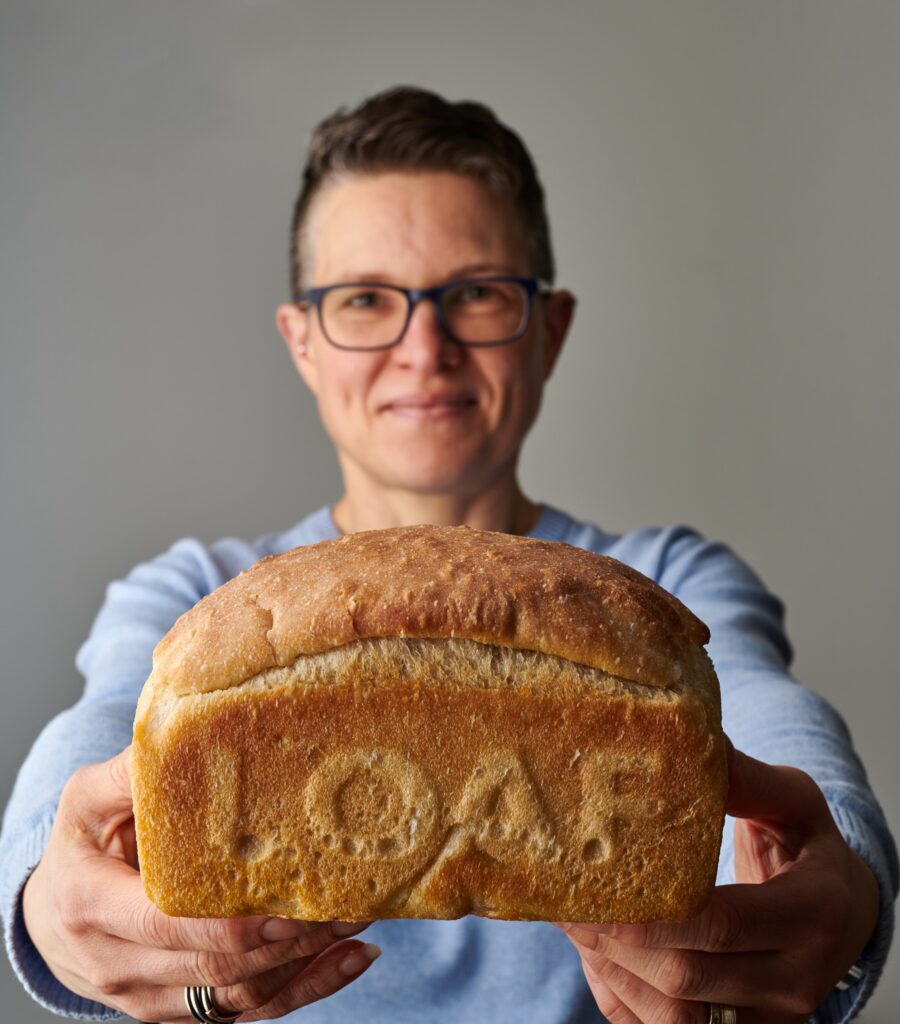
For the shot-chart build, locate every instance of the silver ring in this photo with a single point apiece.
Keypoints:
(202, 1006)
(721, 1014)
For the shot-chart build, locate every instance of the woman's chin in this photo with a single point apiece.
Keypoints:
(447, 475)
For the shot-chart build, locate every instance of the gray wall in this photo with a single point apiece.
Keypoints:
(723, 185)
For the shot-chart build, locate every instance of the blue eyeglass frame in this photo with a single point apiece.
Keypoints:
(532, 285)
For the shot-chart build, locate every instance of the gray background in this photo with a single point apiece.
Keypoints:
(723, 188)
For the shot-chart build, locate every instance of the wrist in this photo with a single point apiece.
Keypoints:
(866, 894)
(31, 913)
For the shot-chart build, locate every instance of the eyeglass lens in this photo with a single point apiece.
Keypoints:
(475, 312)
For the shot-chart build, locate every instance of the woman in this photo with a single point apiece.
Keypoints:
(425, 323)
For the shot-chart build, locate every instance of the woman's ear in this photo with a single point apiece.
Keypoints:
(559, 308)
(293, 326)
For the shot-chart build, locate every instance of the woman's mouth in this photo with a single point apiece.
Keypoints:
(431, 407)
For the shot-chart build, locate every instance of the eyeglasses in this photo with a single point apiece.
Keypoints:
(474, 312)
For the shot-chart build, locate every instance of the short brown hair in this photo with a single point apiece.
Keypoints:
(407, 128)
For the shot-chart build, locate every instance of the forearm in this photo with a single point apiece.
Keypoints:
(769, 715)
(84, 734)
(114, 660)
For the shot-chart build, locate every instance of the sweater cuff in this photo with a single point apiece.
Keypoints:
(844, 1005)
(30, 967)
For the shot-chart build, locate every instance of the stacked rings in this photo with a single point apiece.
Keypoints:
(202, 1007)
(721, 1014)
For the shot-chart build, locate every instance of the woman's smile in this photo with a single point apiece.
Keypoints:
(420, 408)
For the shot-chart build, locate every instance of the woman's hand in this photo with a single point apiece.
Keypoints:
(86, 912)
(774, 945)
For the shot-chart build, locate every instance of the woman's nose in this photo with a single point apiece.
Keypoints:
(425, 345)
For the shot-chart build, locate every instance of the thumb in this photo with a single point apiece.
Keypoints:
(777, 794)
(117, 781)
(99, 796)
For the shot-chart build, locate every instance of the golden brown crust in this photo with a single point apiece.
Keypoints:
(430, 778)
(431, 722)
(430, 581)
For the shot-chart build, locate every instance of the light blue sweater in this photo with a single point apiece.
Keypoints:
(472, 969)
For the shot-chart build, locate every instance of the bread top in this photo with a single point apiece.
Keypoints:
(434, 582)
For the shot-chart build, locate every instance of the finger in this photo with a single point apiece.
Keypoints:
(168, 1003)
(254, 993)
(777, 794)
(647, 1005)
(113, 900)
(739, 979)
(740, 918)
(608, 1003)
(98, 799)
(252, 998)
(327, 974)
(219, 970)
(121, 908)
(631, 1000)
(141, 982)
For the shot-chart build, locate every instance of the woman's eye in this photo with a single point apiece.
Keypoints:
(363, 300)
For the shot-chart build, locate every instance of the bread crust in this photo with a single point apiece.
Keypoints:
(430, 581)
(432, 722)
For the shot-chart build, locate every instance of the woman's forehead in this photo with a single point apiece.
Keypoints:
(423, 224)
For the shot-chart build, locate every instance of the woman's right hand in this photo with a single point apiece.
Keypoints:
(87, 914)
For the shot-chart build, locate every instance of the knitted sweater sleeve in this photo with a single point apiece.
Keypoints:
(772, 717)
(115, 660)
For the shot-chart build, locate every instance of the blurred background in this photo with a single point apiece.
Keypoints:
(723, 191)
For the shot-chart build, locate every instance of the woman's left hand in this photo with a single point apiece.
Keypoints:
(773, 945)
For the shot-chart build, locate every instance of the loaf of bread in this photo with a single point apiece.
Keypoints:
(431, 722)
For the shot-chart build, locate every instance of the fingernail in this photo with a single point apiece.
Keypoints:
(277, 928)
(349, 927)
(359, 959)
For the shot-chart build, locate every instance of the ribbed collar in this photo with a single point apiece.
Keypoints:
(320, 525)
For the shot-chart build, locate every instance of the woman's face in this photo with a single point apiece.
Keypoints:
(427, 415)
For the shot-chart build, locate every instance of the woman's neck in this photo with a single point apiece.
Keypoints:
(505, 509)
